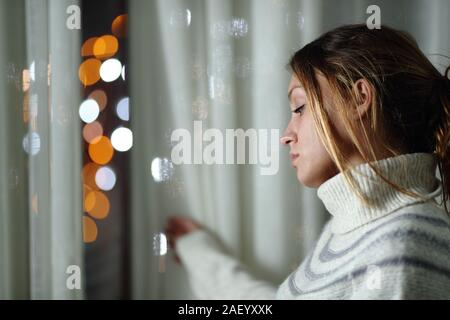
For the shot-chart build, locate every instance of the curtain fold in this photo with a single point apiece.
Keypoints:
(41, 151)
(223, 63)
(14, 236)
(214, 62)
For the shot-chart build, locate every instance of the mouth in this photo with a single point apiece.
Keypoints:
(293, 157)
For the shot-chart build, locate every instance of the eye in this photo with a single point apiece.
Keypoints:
(299, 109)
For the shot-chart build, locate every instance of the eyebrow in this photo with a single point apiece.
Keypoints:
(292, 89)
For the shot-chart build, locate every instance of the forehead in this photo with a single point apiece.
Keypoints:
(321, 80)
(294, 82)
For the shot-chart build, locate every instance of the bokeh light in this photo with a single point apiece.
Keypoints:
(32, 143)
(101, 98)
(90, 230)
(25, 80)
(105, 178)
(102, 151)
(98, 204)
(89, 71)
(105, 47)
(89, 200)
(160, 244)
(25, 107)
(123, 73)
(123, 109)
(33, 71)
(87, 50)
(238, 28)
(92, 132)
(122, 139)
(162, 169)
(88, 175)
(180, 18)
(110, 70)
(86, 190)
(119, 26)
(89, 110)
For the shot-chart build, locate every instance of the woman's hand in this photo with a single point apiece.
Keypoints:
(178, 226)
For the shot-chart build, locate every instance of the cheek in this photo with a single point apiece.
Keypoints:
(310, 144)
(312, 150)
(315, 165)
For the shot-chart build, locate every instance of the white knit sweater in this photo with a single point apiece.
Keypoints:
(397, 249)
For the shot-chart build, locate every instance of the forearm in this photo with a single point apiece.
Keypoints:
(214, 274)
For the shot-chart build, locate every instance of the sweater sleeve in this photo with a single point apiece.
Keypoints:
(214, 274)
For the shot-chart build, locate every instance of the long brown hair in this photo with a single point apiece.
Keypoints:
(410, 105)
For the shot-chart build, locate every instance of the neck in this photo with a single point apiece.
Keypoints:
(415, 173)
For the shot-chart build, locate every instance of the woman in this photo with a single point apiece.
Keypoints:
(370, 124)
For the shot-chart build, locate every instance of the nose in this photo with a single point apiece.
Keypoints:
(288, 137)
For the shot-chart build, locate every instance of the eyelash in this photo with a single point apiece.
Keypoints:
(299, 109)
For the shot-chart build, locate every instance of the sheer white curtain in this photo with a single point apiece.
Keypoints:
(40, 160)
(223, 63)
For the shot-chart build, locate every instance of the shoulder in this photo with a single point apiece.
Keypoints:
(410, 253)
(412, 232)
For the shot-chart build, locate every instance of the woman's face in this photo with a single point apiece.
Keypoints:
(312, 163)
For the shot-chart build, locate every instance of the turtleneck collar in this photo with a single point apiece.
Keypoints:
(415, 172)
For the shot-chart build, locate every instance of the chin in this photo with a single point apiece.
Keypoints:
(307, 180)
(304, 180)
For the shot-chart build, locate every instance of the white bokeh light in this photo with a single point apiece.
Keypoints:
(122, 139)
(162, 169)
(160, 244)
(123, 73)
(105, 178)
(180, 18)
(33, 71)
(31, 143)
(238, 28)
(89, 110)
(123, 109)
(110, 70)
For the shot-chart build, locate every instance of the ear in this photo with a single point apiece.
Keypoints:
(364, 94)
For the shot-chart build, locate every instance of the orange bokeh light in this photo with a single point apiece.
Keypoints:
(25, 80)
(86, 190)
(88, 175)
(120, 26)
(92, 132)
(89, 71)
(87, 50)
(105, 47)
(102, 151)
(97, 204)
(99, 96)
(90, 230)
(26, 109)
